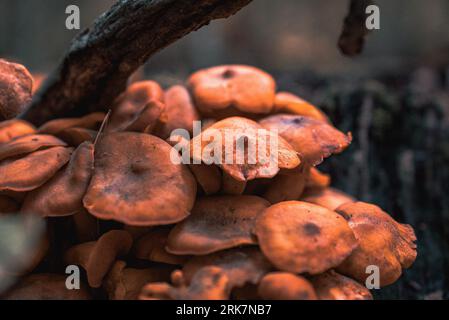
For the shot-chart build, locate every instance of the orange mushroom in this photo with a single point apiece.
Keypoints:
(317, 179)
(146, 120)
(76, 136)
(326, 197)
(383, 242)
(285, 286)
(14, 128)
(20, 175)
(216, 223)
(232, 186)
(91, 121)
(333, 286)
(98, 257)
(69, 184)
(226, 90)
(136, 182)
(301, 237)
(286, 187)
(16, 86)
(207, 176)
(286, 102)
(314, 140)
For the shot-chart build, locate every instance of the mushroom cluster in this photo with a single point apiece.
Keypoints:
(142, 220)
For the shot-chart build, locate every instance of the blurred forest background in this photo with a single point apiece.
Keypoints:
(394, 97)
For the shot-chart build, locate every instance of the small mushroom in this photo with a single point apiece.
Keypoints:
(243, 149)
(207, 176)
(286, 102)
(286, 187)
(285, 286)
(28, 144)
(46, 287)
(209, 283)
(98, 257)
(383, 242)
(179, 112)
(317, 179)
(136, 182)
(91, 121)
(232, 186)
(69, 184)
(314, 140)
(146, 120)
(245, 265)
(16, 86)
(152, 247)
(20, 175)
(14, 128)
(326, 197)
(219, 90)
(301, 237)
(216, 223)
(333, 286)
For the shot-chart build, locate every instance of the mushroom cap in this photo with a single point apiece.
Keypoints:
(8, 205)
(216, 223)
(383, 242)
(179, 112)
(207, 176)
(152, 247)
(91, 121)
(244, 88)
(326, 197)
(317, 179)
(46, 287)
(27, 144)
(145, 120)
(24, 175)
(314, 140)
(333, 286)
(11, 129)
(241, 265)
(133, 100)
(244, 165)
(136, 182)
(232, 186)
(70, 184)
(286, 102)
(209, 283)
(285, 187)
(16, 86)
(285, 286)
(98, 257)
(301, 237)
(76, 136)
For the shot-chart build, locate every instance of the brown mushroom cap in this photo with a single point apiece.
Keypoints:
(136, 182)
(244, 88)
(328, 197)
(152, 247)
(16, 86)
(314, 140)
(216, 223)
(14, 128)
(285, 286)
(209, 283)
(301, 237)
(286, 187)
(232, 186)
(133, 100)
(8, 205)
(69, 184)
(383, 242)
(241, 265)
(27, 144)
(46, 287)
(333, 286)
(286, 102)
(123, 283)
(207, 176)
(146, 120)
(179, 112)
(317, 179)
(230, 132)
(24, 175)
(76, 136)
(91, 121)
(98, 257)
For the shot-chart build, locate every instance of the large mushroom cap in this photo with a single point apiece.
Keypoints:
(16, 86)
(313, 139)
(286, 102)
(245, 88)
(383, 242)
(14, 128)
(216, 223)
(243, 149)
(333, 286)
(69, 185)
(136, 182)
(326, 197)
(301, 237)
(23, 174)
(285, 286)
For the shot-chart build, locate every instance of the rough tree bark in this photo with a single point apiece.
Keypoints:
(101, 58)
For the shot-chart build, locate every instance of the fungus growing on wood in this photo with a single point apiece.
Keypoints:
(285, 286)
